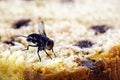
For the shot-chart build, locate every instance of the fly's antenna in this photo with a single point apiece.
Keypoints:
(21, 36)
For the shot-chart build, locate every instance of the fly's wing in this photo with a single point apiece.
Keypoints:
(41, 28)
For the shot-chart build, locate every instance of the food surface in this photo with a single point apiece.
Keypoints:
(85, 34)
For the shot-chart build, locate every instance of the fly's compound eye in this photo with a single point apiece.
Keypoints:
(49, 44)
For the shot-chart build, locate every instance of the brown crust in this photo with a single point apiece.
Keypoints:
(114, 63)
(111, 71)
(80, 73)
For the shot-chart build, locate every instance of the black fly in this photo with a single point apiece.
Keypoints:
(40, 40)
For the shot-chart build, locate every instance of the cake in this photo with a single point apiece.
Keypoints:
(85, 34)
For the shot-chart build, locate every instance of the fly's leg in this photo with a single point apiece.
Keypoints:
(48, 54)
(54, 53)
(38, 55)
(29, 46)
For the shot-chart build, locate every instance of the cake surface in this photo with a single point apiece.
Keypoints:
(85, 33)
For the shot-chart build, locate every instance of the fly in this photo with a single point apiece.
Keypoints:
(41, 41)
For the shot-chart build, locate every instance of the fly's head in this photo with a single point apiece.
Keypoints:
(49, 44)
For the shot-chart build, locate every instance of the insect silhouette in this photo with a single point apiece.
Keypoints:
(41, 41)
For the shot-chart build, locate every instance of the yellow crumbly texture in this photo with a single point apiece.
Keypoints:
(65, 23)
